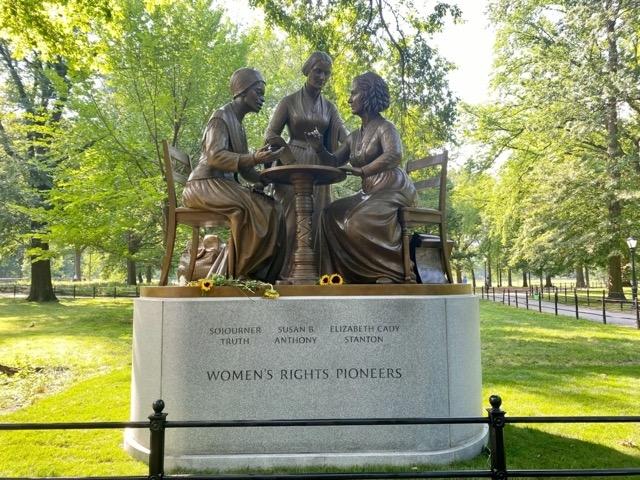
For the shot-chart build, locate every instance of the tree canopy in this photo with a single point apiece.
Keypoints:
(88, 89)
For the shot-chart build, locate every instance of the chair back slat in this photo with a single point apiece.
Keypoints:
(180, 164)
(434, 175)
(176, 170)
(430, 161)
(433, 182)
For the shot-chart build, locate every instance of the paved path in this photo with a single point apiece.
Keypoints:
(625, 319)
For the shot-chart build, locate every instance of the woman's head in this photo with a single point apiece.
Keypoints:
(249, 85)
(317, 69)
(369, 94)
(244, 78)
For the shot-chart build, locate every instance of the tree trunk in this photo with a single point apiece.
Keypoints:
(41, 289)
(541, 281)
(458, 273)
(139, 277)
(499, 274)
(580, 283)
(133, 247)
(547, 282)
(149, 273)
(77, 264)
(488, 279)
(614, 278)
(524, 279)
(473, 276)
(586, 276)
(509, 280)
(131, 272)
(614, 154)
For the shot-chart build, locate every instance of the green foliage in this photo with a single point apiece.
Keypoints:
(57, 29)
(566, 127)
(468, 218)
(162, 75)
(392, 39)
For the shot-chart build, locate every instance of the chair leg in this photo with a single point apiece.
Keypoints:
(445, 253)
(168, 254)
(193, 254)
(406, 256)
(231, 257)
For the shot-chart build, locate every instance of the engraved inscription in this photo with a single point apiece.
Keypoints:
(376, 330)
(287, 335)
(234, 335)
(304, 374)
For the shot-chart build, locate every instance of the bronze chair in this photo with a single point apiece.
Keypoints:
(176, 170)
(412, 217)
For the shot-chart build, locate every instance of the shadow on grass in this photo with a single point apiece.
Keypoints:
(529, 448)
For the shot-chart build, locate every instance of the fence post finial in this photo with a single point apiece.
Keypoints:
(158, 406)
(157, 424)
(496, 439)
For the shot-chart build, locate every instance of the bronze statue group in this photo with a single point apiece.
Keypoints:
(359, 236)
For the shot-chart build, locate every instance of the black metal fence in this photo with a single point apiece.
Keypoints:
(75, 291)
(582, 303)
(496, 421)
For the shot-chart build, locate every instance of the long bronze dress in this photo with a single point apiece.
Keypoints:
(361, 235)
(300, 113)
(257, 227)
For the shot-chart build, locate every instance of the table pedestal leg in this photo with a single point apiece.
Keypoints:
(305, 265)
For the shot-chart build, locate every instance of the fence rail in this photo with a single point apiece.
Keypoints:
(496, 420)
(75, 291)
(571, 302)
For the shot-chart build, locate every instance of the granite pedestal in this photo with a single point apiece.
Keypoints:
(308, 357)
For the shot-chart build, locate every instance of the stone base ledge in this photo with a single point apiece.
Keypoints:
(313, 290)
(469, 449)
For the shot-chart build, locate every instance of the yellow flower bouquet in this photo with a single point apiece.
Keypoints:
(208, 284)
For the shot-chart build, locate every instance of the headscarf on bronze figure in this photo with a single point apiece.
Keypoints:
(360, 235)
(256, 223)
(302, 111)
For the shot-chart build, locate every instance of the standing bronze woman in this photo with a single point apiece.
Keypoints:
(361, 236)
(303, 111)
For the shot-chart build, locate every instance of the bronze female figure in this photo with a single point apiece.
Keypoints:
(360, 235)
(302, 111)
(257, 228)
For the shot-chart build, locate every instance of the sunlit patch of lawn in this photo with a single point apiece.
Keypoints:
(541, 364)
(53, 345)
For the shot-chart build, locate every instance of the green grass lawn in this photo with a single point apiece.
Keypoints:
(74, 360)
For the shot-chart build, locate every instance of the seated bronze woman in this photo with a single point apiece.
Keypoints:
(257, 227)
(360, 235)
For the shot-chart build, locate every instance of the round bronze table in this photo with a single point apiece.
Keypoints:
(303, 178)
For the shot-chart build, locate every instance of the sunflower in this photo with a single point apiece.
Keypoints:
(325, 280)
(206, 285)
(270, 292)
(336, 279)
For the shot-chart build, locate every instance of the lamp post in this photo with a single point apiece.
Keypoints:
(631, 243)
